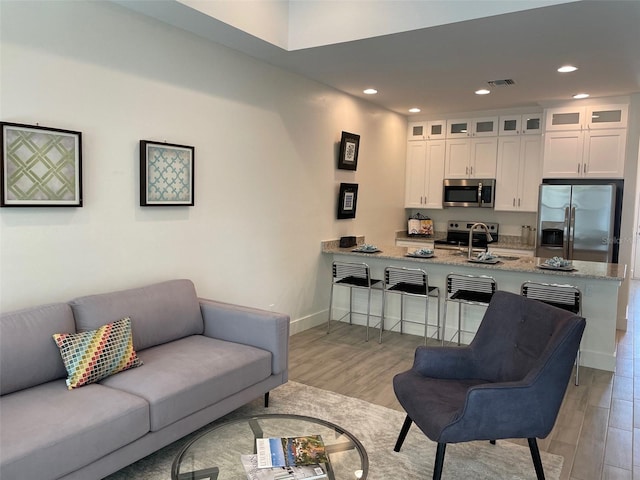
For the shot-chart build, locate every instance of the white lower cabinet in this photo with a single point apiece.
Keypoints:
(424, 174)
(415, 245)
(512, 252)
(518, 173)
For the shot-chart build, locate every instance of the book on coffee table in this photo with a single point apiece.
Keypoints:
(290, 451)
(306, 472)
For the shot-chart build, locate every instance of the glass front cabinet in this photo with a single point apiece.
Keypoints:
(526, 124)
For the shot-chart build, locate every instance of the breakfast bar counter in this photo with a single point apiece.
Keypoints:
(599, 283)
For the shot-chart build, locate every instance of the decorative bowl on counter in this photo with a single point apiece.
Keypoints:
(366, 248)
(421, 253)
(557, 263)
(485, 257)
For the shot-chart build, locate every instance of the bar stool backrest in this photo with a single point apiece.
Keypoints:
(356, 274)
(410, 280)
(567, 297)
(470, 288)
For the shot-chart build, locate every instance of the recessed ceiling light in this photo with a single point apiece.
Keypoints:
(414, 110)
(483, 91)
(580, 95)
(370, 91)
(567, 69)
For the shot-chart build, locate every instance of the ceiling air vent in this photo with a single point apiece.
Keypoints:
(507, 82)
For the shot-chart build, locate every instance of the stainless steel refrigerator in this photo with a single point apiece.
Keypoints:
(578, 222)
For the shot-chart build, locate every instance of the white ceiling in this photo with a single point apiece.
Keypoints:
(438, 68)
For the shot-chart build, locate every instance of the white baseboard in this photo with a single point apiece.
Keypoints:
(310, 321)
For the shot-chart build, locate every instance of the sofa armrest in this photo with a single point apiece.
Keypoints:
(249, 326)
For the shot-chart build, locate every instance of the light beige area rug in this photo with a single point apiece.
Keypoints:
(377, 428)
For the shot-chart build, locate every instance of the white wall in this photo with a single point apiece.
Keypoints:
(265, 142)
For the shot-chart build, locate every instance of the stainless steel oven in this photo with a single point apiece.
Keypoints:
(469, 192)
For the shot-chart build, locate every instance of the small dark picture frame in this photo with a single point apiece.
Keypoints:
(349, 146)
(166, 174)
(347, 200)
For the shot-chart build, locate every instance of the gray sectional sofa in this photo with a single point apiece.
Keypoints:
(201, 360)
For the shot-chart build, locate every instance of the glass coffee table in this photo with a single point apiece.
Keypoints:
(215, 453)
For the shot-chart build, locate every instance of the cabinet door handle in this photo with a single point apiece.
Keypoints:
(518, 202)
(514, 201)
(471, 170)
(584, 169)
(466, 170)
(578, 167)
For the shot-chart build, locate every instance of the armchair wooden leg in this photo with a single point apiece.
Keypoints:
(266, 400)
(403, 433)
(437, 468)
(535, 455)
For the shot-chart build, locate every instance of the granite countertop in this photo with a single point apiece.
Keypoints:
(583, 269)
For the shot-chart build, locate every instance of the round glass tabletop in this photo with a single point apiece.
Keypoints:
(218, 453)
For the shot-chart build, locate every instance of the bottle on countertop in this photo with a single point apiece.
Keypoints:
(525, 233)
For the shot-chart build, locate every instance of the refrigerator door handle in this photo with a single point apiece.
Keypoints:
(572, 229)
(567, 232)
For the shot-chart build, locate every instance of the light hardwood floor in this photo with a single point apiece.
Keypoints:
(598, 428)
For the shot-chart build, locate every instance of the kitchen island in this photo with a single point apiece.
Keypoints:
(599, 283)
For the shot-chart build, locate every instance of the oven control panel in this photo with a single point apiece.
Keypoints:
(465, 226)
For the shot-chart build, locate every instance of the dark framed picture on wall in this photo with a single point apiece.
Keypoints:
(166, 174)
(347, 200)
(41, 166)
(349, 146)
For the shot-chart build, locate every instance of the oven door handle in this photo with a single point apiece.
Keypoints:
(479, 194)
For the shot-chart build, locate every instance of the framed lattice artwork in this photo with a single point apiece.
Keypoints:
(166, 174)
(41, 166)
(349, 146)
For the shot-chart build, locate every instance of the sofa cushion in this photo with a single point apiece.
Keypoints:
(96, 354)
(182, 377)
(48, 431)
(28, 356)
(159, 313)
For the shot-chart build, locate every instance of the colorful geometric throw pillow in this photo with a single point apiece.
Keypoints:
(96, 354)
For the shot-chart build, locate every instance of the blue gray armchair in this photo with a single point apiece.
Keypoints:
(508, 383)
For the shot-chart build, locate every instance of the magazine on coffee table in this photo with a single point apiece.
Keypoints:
(290, 451)
(306, 472)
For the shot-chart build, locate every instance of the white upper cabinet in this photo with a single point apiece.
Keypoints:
(471, 158)
(564, 119)
(527, 124)
(431, 130)
(592, 117)
(585, 142)
(417, 131)
(606, 116)
(424, 174)
(436, 129)
(484, 127)
(472, 127)
(518, 173)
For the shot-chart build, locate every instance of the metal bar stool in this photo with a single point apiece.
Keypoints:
(567, 297)
(353, 275)
(412, 282)
(470, 290)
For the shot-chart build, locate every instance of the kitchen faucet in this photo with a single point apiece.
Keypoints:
(486, 231)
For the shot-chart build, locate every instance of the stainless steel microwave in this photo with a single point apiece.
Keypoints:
(469, 192)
